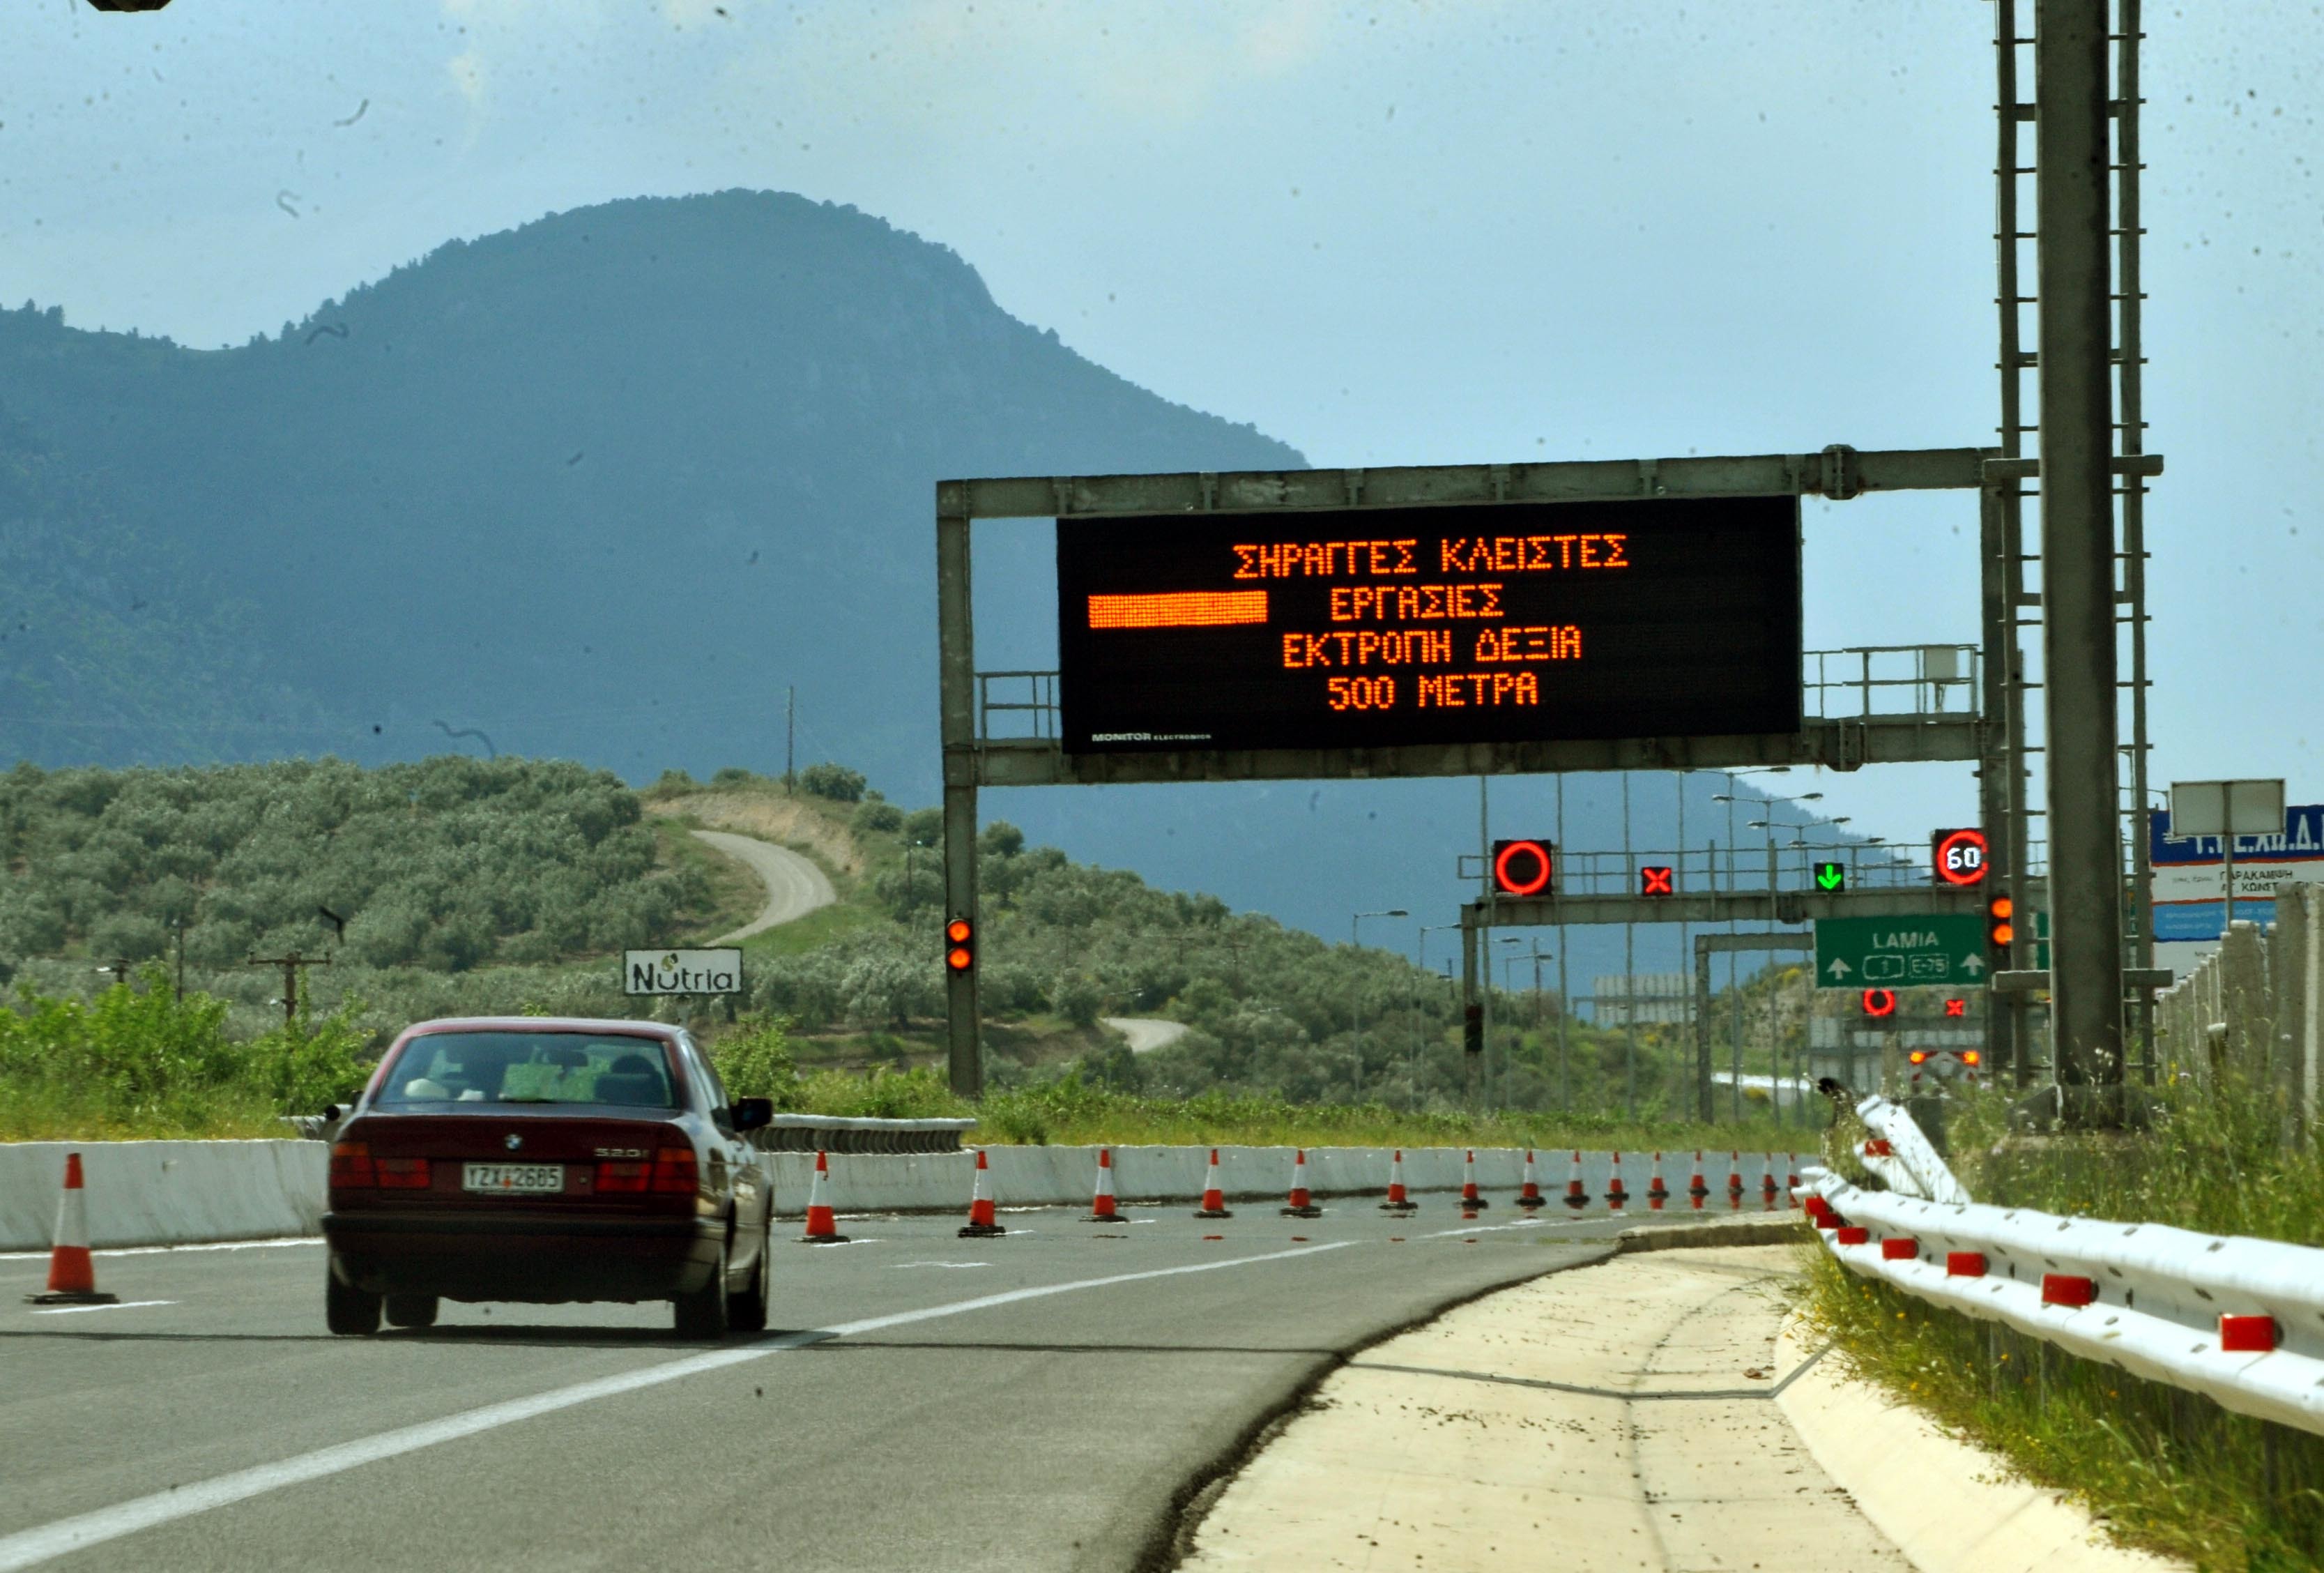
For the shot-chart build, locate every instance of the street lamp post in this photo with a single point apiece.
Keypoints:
(1356, 993)
(1421, 955)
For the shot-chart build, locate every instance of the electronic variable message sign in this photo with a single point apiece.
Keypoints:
(1362, 628)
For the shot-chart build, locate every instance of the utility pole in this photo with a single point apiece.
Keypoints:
(291, 965)
(119, 968)
(790, 733)
(178, 932)
(2072, 153)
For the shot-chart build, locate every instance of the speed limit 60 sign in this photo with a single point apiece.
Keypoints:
(1958, 856)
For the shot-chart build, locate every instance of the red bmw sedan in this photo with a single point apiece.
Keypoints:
(545, 1159)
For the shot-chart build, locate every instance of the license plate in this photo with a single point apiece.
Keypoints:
(518, 1178)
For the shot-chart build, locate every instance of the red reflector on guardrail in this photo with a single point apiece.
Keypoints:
(1899, 1250)
(1854, 1235)
(1818, 1210)
(2067, 1289)
(2247, 1335)
(1964, 1264)
(1878, 1147)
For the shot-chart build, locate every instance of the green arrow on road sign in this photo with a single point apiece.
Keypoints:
(1935, 949)
(1832, 877)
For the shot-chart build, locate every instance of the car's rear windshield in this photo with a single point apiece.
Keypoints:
(530, 1068)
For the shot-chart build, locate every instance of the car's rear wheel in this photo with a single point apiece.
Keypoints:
(747, 1312)
(345, 1308)
(412, 1310)
(703, 1313)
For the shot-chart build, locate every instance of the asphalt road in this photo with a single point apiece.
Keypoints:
(1041, 1401)
(795, 885)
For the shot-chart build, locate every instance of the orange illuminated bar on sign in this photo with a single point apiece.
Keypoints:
(1178, 609)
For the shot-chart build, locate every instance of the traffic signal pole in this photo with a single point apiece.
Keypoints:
(2072, 153)
(957, 662)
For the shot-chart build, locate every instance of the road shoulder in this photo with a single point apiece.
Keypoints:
(1653, 1412)
(1952, 1506)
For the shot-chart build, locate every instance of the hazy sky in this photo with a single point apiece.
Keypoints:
(1388, 233)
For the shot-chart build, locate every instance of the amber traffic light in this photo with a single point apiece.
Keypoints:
(2000, 927)
(960, 945)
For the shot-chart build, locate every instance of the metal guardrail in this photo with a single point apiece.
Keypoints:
(784, 1133)
(840, 1133)
(1930, 682)
(2239, 1320)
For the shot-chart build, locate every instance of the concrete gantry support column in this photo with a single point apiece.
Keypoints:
(957, 662)
(2072, 155)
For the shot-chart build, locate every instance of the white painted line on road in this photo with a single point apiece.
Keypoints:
(1487, 1228)
(159, 1250)
(74, 1310)
(899, 1267)
(28, 1547)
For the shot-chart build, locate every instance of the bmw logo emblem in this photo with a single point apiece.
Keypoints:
(512, 1141)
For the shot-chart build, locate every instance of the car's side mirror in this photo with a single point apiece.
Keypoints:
(752, 1114)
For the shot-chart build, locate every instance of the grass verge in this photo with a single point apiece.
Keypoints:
(2164, 1469)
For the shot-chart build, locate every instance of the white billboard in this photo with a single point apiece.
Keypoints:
(681, 972)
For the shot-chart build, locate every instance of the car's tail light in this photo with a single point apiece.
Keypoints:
(621, 1176)
(674, 1170)
(402, 1173)
(351, 1164)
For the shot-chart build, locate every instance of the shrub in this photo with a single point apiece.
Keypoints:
(876, 817)
(834, 782)
(754, 1060)
(733, 775)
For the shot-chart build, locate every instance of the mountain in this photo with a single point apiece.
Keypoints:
(607, 486)
(603, 485)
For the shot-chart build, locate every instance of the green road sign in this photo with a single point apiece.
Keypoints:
(1937, 951)
(1832, 877)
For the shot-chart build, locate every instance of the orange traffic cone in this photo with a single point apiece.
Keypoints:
(1615, 1195)
(1398, 1201)
(1792, 1175)
(1695, 1189)
(1301, 1206)
(1576, 1197)
(1468, 1197)
(1102, 1207)
(1767, 1186)
(1529, 1191)
(981, 1223)
(72, 1275)
(1214, 1198)
(1734, 1182)
(821, 1229)
(1655, 1192)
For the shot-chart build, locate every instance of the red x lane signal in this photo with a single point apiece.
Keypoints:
(1654, 879)
(1957, 1007)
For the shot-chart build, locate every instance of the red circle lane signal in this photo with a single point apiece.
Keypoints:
(1522, 869)
(1958, 857)
(1879, 1002)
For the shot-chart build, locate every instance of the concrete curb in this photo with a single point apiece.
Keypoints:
(1783, 1229)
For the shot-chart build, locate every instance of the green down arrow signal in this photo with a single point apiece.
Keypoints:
(1830, 875)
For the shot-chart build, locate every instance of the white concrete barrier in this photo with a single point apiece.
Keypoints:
(1250, 1176)
(165, 1193)
(170, 1193)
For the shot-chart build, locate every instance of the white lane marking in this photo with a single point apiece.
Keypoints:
(899, 1267)
(1487, 1228)
(159, 1250)
(70, 1310)
(28, 1548)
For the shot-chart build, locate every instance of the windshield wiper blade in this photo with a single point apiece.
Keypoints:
(529, 1100)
